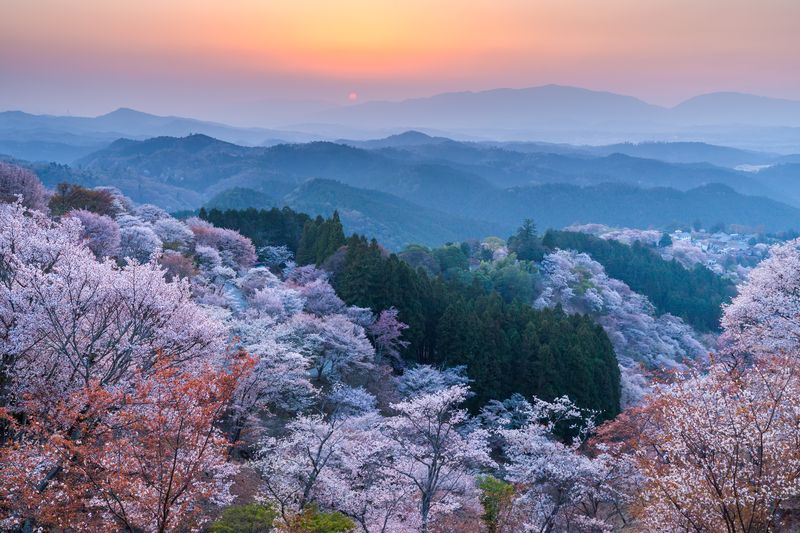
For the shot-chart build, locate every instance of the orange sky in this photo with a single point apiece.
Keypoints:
(89, 55)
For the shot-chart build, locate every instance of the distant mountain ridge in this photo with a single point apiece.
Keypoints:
(67, 138)
(565, 107)
(564, 114)
(549, 113)
(416, 188)
(502, 108)
(738, 108)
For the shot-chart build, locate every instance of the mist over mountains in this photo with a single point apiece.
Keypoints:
(415, 188)
(573, 115)
(438, 169)
(548, 114)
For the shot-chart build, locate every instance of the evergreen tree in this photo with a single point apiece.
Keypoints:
(526, 243)
(506, 347)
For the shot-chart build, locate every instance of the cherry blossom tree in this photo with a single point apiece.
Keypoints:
(93, 321)
(140, 458)
(177, 266)
(150, 214)
(373, 493)
(386, 333)
(641, 339)
(431, 452)
(100, 232)
(174, 234)
(560, 487)
(17, 182)
(312, 283)
(30, 245)
(276, 256)
(279, 380)
(320, 298)
(718, 451)
(361, 316)
(69, 320)
(580, 285)
(346, 401)
(341, 463)
(109, 376)
(235, 250)
(303, 275)
(424, 379)
(301, 467)
(121, 204)
(139, 242)
(333, 344)
(765, 316)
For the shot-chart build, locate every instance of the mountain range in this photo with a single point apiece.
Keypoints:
(558, 113)
(415, 188)
(64, 139)
(564, 107)
(546, 114)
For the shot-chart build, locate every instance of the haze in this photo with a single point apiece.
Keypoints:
(224, 60)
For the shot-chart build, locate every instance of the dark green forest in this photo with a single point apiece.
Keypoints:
(506, 347)
(265, 227)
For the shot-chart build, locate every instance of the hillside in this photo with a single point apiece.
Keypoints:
(241, 198)
(421, 168)
(624, 205)
(395, 222)
(402, 193)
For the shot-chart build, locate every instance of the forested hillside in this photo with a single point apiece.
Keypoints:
(432, 191)
(452, 324)
(433, 289)
(695, 294)
(507, 348)
(174, 375)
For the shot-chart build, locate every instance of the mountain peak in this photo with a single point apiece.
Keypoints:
(411, 135)
(125, 112)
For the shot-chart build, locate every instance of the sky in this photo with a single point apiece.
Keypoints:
(222, 60)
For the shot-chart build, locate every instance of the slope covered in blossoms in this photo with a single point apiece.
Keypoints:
(165, 375)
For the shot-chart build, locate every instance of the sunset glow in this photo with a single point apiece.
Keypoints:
(151, 52)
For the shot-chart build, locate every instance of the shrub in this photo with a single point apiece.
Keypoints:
(497, 497)
(312, 520)
(250, 518)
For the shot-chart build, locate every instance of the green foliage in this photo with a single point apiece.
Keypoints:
(420, 257)
(69, 197)
(511, 279)
(496, 499)
(451, 258)
(694, 295)
(274, 227)
(250, 518)
(507, 347)
(665, 240)
(312, 520)
(526, 243)
(321, 238)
